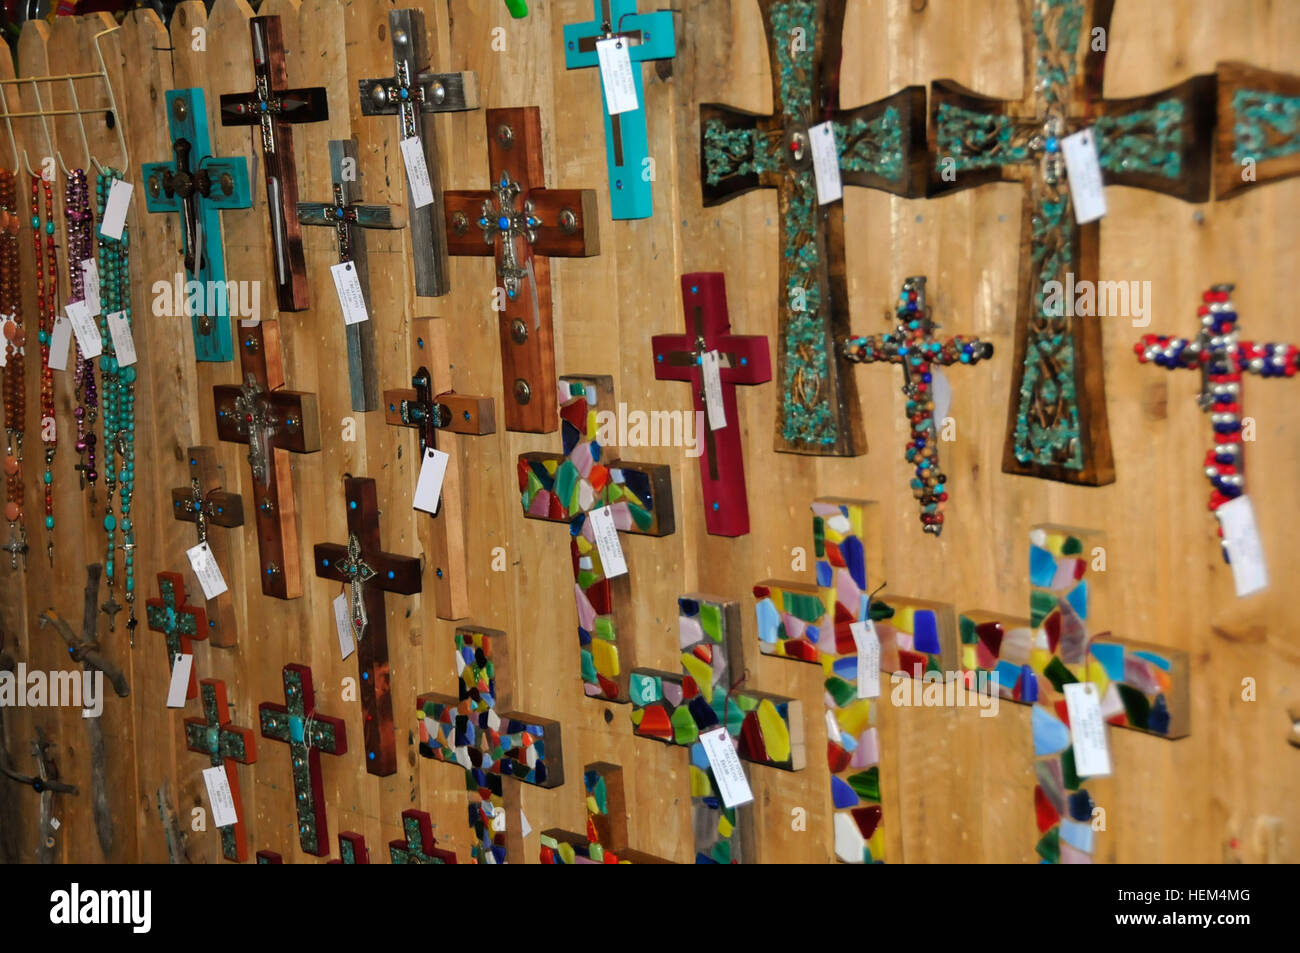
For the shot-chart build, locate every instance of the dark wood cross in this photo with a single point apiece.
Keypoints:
(478, 732)
(269, 857)
(605, 840)
(204, 503)
(1057, 427)
(272, 106)
(914, 347)
(369, 572)
(197, 186)
(1257, 139)
(414, 95)
(742, 359)
(178, 622)
(523, 224)
(418, 845)
(565, 488)
(881, 146)
(347, 216)
(224, 744)
(307, 734)
(273, 423)
(352, 849)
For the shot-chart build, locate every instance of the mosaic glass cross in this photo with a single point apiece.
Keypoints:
(478, 732)
(352, 849)
(1058, 428)
(369, 572)
(196, 185)
(272, 107)
(742, 359)
(224, 744)
(566, 488)
(177, 621)
(204, 503)
(914, 347)
(418, 845)
(880, 146)
(1258, 135)
(307, 734)
(605, 841)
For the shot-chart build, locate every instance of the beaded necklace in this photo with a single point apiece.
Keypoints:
(15, 396)
(78, 223)
(46, 291)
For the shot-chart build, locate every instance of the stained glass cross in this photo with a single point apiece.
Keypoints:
(605, 840)
(179, 622)
(224, 744)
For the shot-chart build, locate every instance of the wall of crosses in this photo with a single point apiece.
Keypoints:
(481, 628)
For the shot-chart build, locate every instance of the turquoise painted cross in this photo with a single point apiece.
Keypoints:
(179, 622)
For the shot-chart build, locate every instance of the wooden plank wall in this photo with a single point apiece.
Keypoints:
(957, 787)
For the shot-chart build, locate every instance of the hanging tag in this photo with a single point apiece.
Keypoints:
(180, 683)
(83, 326)
(1083, 169)
(616, 75)
(90, 285)
(206, 569)
(499, 821)
(347, 644)
(524, 827)
(219, 796)
(1245, 549)
(60, 338)
(114, 218)
(119, 330)
(826, 163)
(348, 287)
(727, 770)
(868, 645)
(606, 535)
(1087, 730)
(428, 488)
(941, 394)
(711, 366)
(417, 173)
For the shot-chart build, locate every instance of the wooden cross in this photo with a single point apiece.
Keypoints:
(307, 734)
(880, 145)
(647, 36)
(204, 503)
(523, 224)
(272, 106)
(269, 857)
(273, 423)
(196, 185)
(914, 347)
(478, 732)
(677, 708)
(414, 95)
(1257, 139)
(419, 845)
(224, 744)
(425, 412)
(177, 621)
(347, 216)
(352, 849)
(1057, 427)
(605, 840)
(566, 488)
(369, 572)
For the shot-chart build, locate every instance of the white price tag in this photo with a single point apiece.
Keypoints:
(1087, 730)
(606, 535)
(90, 285)
(941, 394)
(84, 327)
(524, 827)
(868, 645)
(727, 769)
(711, 367)
(55, 823)
(182, 665)
(616, 75)
(417, 173)
(1245, 550)
(219, 796)
(119, 329)
(499, 821)
(114, 218)
(428, 488)
(206, 569)
(1083, 169)
(60, 338)
(348, 287)
(826, 163)
(343, 623)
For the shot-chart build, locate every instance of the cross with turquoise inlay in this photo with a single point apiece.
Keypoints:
(418, 845)
(179, 622)
(223, 743)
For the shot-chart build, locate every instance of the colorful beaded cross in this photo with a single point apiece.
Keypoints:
(224, 744)
(179, 622)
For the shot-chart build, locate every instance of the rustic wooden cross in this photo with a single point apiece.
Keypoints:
(1257, 139)
(1057, 427)
(369, 572)
(307, 734)
(425, 412)
(742, 359)
(224, 744)
(352, 849)
(677, 708)
(647, 37)
(197, 186)
(419, 845)
(347, 216)
(605, 840)
(565, 488)
(414, 95)
(523, 224)
(177, 621)
(273, 423)
(478, 731)
(914, 347)
(272, 107)
(204, 503)
(880, 146)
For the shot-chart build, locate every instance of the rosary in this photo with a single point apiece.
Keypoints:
(46, 290)
(11, 307)
(79, 224)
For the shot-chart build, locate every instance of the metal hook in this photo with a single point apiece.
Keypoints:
(81, 125)
(112, 105)
(45, 126)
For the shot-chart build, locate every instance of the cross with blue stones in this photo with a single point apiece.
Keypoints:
(369, 572)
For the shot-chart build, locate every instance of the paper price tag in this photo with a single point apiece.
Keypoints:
(616, 75)
(711, 366)
(727, 770)
(428, 488)
(1087, 730)
(347, 644)
(60, 338)
(84, 327)
(90, 285)
(524, 827)
(868, 645)
(348, 287)
(1083, 169)
(206, 569)
(417, 173)
(1245, 549)
(219, 796)
(606, 535)
(182, 665)
(499, 821)
(119, 330)
(114, 218)
(826, 163)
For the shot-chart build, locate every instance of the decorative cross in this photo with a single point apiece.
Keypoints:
(478, 731)
(347, 216)
(84, 647)
(414, 95)
(880, 146)
(1257, 139)
(269, 857)
(273, 106)
(352, 849)
(742, 359)
(196, 185)
(370, 572)
(223, 743)
(566, 488)
(307, 734)
(605, 841)
(676, 709)
(419, 845)
(523, 224)
(273, 423)
(205, 503)
(518, 8)
(1058, 428)
(179, 622)
(914, 347)
(647, 36)
(426, 412)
